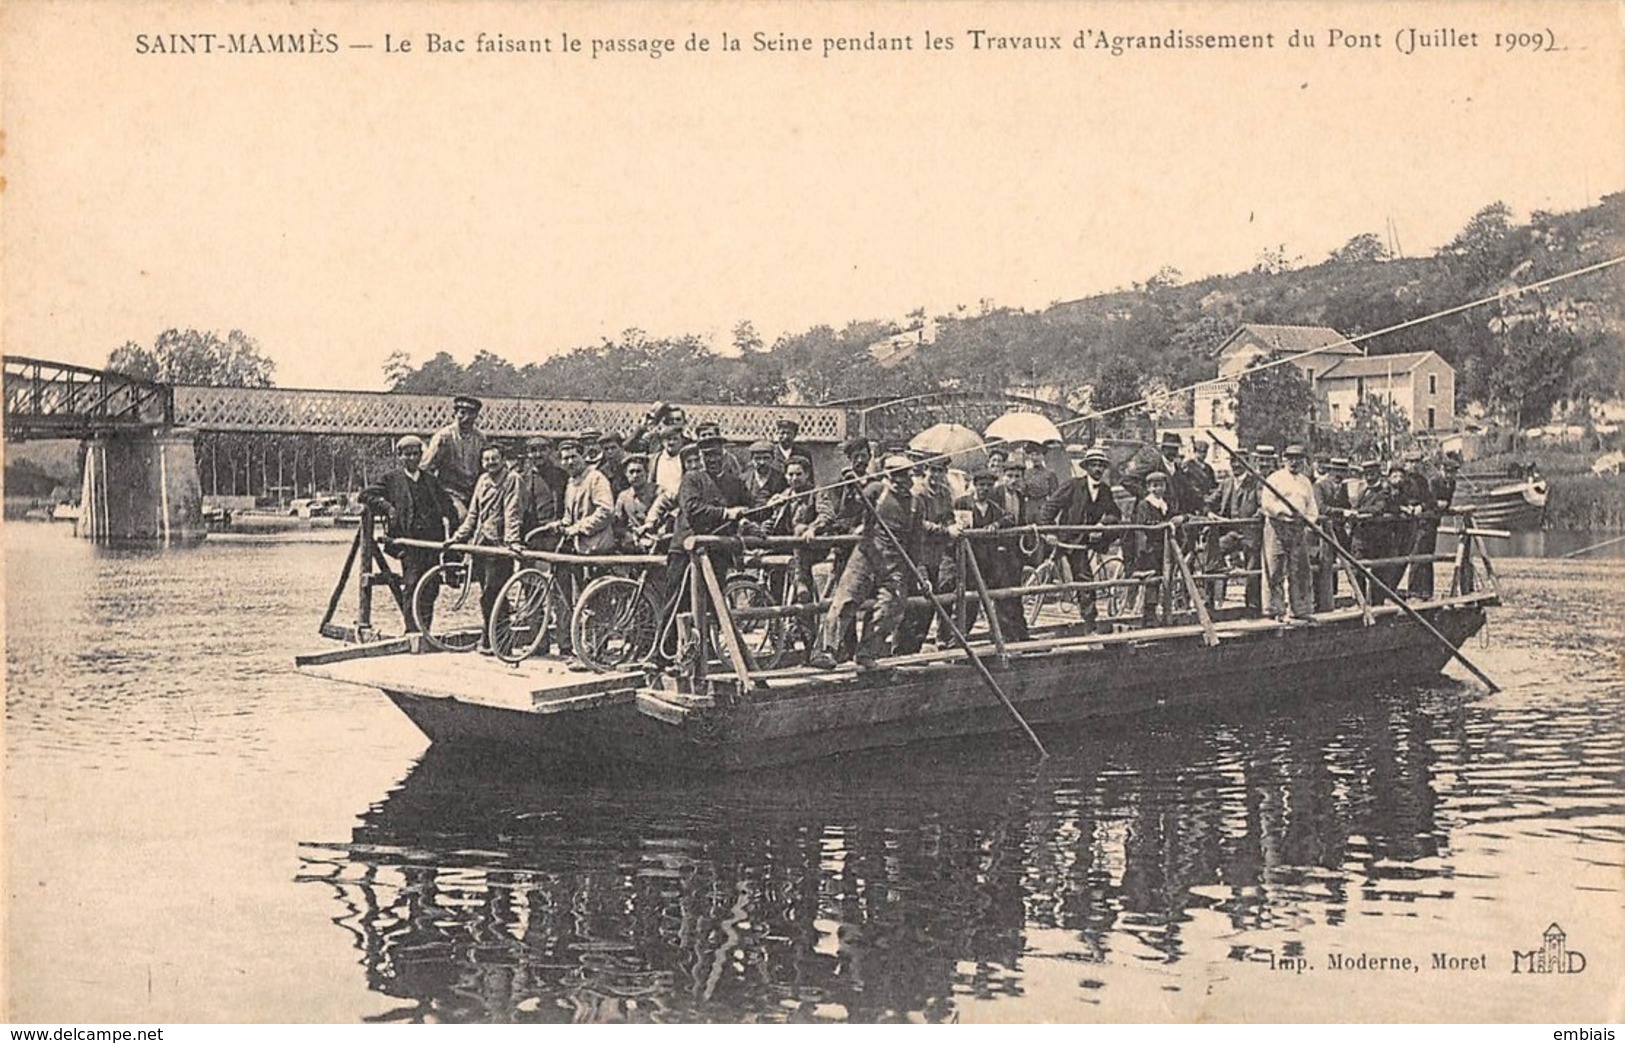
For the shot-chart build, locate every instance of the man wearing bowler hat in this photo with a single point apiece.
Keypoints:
(454, 451)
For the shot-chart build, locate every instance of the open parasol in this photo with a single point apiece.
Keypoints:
(1021, 426)
(963, 445)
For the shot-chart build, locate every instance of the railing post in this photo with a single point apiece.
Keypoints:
(1165, 593)
(364, 536)
(696, 602)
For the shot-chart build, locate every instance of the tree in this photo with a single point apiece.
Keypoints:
(1273, 405)
(1275, 261)
(196, 357)
(1478, 252)
(1365, 248)
(1376, 427)
(1119, 385)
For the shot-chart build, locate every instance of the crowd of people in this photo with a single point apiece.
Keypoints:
(646, 490)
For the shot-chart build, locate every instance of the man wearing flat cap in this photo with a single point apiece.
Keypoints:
(765, 479)
(1288, 498)
(785, 445)
(417, 508)
(454, 451)
(537, 495)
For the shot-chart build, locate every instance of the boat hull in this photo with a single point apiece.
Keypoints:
(1517, 508)
(822, 715)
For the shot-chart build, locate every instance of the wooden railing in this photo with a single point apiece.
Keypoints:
(1183, 593)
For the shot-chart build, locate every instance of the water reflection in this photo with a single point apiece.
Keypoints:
(882, 887)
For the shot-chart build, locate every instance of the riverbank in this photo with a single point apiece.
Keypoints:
(1586, 501)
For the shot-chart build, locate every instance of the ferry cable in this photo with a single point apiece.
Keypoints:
(1284, 359)
(1278, 361)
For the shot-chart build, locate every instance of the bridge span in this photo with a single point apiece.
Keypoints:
(142, 481)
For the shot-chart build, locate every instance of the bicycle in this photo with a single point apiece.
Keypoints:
(615, 623)
(447, 616)
(1057, 568)
(528, 607)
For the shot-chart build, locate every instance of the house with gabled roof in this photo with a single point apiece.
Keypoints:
(1420, 384)
(1321, 347)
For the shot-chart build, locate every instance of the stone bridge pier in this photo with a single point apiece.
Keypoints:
(141, 486)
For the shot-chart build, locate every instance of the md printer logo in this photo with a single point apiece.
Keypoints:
(1554, 957)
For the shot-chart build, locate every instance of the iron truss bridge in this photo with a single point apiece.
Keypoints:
(56, 400)
(45, 399)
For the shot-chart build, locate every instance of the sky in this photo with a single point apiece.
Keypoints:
(341, 207)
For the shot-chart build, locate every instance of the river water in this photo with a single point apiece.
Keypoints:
(195, 832)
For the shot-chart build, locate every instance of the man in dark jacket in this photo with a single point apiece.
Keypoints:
(995, 559)
(785, 446)
(1085, 501)
(875, 569)
(535, 498)
(417, 508)
(709, 502)
(1332, 499)
(1238, 498)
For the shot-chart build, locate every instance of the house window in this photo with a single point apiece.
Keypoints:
(1337, 412)
(1431, 424)
(1359, 387)
(1433, 389)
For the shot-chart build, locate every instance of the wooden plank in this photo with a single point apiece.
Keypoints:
(725, 624)
(1210, 636)
(394, 646)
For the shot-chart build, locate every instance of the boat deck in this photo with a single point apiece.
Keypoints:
(537, 685)
(545, 686)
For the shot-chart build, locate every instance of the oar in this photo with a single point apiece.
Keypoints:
(1455, 652)
(1594, 546)
(959, 636)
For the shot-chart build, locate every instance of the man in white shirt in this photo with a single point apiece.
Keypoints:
(666, 468)
(1286, 549)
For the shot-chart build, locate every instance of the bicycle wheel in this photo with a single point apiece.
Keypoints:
(765, 638)
(1119, 600)
(446, 608)
(526, 607)
(1041, 575)
(615, 623)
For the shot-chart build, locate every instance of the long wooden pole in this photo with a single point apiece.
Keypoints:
(959, 636)
(1359, 566)
(1594, 546)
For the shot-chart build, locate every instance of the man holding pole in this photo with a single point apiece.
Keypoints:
(1287, 501)
(877, 568)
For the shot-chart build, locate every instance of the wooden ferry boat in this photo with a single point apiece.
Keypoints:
(725, 711)
(1515, 500)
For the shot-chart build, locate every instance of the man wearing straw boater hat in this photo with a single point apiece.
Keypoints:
(454, 451)
(1288, 497)
(1332, 497)
(1085, 501)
